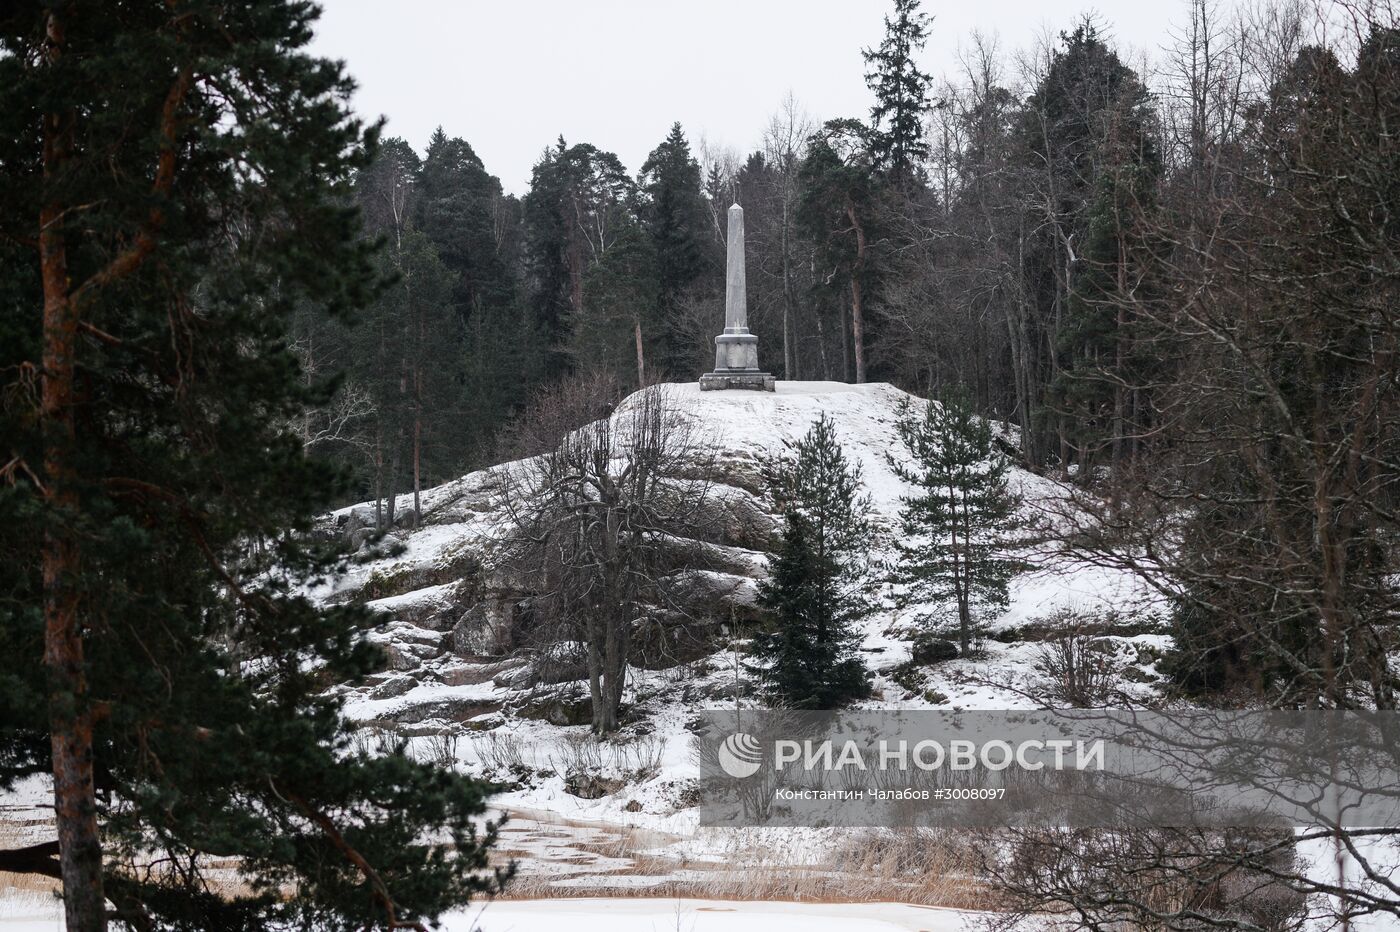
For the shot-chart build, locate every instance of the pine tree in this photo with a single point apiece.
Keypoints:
(674, 216)
(839, 201)
(816, 592)
(901, 94)
(581, 202)
(186, 170)
(472, 223)
(954, 527)
(621, 319)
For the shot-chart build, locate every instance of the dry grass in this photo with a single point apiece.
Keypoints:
(26, 825)
(20, 826)
(923, 868)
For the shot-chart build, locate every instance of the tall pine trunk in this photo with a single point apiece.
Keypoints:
(1119, 454)
(857, 300)
(71, 716)
(789, 351)
(845, 332)
(417, 463)
(418, 422)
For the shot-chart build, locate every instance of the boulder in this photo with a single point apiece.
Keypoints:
(472, 674)
(931, 650)
(452, 709)
(393, 686)
(592, 785)
(559, 709)
(484, 629)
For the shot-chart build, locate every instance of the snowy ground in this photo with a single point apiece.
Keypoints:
(613, 914)
(688, 915)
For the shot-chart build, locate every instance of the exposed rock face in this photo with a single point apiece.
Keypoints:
(457, 622)
(485, 628)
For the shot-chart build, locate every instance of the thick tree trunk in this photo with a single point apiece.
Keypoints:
(858, 330)
(1120, 394)
(595, 683)
(857, 303)
(417, 464)
(71, 716)
(615, 675)
(641, 355)
(845, 342)
(789, 354)
(1022, 355)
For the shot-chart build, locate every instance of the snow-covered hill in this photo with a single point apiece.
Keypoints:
(456, 664)
(600, 816)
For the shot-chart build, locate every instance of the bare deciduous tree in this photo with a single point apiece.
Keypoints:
(595, 521)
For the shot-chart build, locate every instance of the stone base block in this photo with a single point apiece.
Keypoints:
(749, 379)
(736, 351)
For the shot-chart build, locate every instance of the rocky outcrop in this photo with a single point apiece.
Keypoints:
(456, 618)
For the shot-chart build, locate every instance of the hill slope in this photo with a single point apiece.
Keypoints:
(449, 627)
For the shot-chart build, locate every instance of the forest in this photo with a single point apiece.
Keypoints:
(311, 434)
(1175, 278)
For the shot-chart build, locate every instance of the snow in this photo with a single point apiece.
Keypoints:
(745, 429)
(616, 914)
(749, 428)
(604, 914)
(25, 911)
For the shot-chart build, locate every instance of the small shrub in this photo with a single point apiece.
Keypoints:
(912, 679)
(374, 740)
(1079, 672)
(442, 750)
(501, 753)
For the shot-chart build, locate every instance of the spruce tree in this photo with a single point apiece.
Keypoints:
(901, 94)
(674, 216)
(952, 550)
(174, 184)
(816, 592)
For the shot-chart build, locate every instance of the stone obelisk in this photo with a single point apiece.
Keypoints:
(736, 350)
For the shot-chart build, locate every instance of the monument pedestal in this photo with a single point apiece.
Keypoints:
(736, 363)
(751, 379)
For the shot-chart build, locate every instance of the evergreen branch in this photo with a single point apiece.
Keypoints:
(145, 244)
(381, 891)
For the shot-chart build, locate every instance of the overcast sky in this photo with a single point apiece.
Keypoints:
(510, 77)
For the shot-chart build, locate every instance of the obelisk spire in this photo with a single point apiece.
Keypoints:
(736, 350)
(736, 313)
